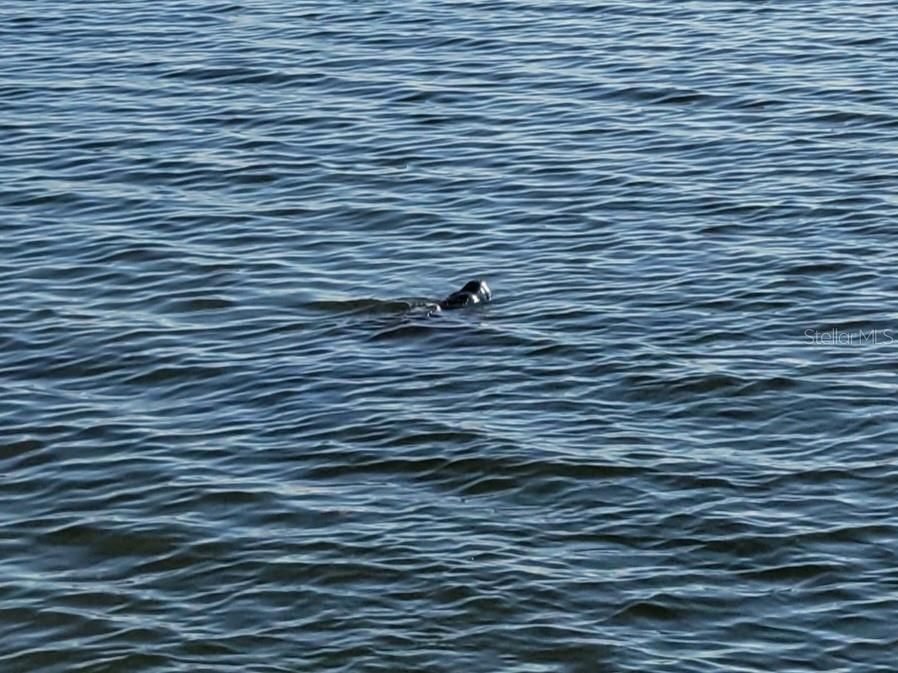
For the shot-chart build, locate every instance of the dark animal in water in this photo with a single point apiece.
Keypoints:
(474, 292)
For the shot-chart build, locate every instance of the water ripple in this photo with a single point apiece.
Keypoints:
(237, 437)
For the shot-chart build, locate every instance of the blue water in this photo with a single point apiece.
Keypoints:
(234, 438)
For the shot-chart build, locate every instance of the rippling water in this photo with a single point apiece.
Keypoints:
(233, 439)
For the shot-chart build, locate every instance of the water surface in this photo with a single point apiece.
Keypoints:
(231, 440)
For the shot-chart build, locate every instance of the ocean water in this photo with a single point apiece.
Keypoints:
(233, 437)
